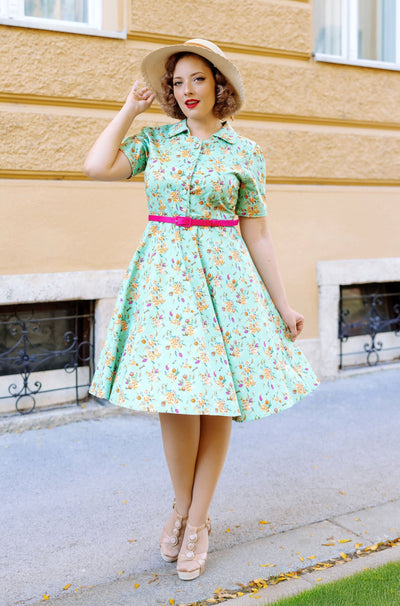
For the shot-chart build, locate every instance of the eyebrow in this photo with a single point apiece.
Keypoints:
(191, 75)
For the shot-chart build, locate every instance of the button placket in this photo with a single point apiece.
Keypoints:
(193, 162)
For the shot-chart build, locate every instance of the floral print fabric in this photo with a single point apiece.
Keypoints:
(194, 330)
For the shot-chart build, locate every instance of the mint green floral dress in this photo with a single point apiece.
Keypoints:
(194, 330)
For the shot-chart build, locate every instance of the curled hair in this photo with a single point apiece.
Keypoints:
(226, 97)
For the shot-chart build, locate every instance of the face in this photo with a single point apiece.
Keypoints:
(194, 87)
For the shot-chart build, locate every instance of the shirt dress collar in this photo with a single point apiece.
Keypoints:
(226, 132)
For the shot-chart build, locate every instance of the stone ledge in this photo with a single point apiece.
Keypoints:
(62, 415)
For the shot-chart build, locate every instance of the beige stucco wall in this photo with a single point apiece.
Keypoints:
(77, 226)
(332, 146)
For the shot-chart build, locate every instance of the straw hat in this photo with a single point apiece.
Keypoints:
(153, 65)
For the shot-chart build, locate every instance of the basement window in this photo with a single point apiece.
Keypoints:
(45, 347)
(369, 324)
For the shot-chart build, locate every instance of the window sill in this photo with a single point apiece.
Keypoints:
(71, 28)
(357, 62)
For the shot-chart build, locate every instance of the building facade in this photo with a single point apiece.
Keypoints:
(328, 122)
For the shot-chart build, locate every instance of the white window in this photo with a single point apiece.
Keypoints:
(359, 32)
(76, 16)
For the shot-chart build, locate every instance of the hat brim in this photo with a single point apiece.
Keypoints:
(153, 67)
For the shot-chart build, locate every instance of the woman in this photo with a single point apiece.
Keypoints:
(202, 331)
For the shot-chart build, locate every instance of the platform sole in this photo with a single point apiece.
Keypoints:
(168, 559)
(189, 576)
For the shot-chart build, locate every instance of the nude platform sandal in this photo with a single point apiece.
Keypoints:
(193, 554)
(172, 536)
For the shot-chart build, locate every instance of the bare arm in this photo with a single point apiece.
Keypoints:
(105, 161)
(257, 237)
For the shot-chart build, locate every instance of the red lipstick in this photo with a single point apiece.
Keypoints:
(191, 103)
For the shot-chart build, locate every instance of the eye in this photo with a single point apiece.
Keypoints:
(177, 83)
(199, 78)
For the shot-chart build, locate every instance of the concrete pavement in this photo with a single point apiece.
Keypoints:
(83, 504)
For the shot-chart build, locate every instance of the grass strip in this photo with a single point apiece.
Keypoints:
(376, 587)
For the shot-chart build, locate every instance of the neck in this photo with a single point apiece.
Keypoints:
(203, 129)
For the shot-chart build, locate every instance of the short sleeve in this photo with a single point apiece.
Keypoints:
(136, 149)
(251, 197)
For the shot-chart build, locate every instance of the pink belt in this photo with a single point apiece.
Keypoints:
(188, 221)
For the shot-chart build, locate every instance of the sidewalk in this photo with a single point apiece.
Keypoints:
(84, 503)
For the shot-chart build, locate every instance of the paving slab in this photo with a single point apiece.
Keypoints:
(373, 523)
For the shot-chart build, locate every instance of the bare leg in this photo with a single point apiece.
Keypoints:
(195, 448)
(181, 435)
(215, 432)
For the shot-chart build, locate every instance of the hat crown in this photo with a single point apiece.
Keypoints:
(199, 42)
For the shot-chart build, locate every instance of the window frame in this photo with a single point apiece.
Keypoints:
(349, 37)
(12, 13)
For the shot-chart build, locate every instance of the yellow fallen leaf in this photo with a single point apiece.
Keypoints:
(310, 557)
(301, 558)
(319, 579)
(137, 585)
(358, 545)
(327, 544)
(217, 590)
(372, 547)
(228, 530)
(264, 522)
(341, 492)
(67, 586)
(357, 519)
(132, 540)
(123, 502)
(345, 541)
(46, 597)
(343, 555)
(122, 572)
(239, 593)
(171, 601)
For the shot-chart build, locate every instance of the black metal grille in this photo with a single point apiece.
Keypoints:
(370, 310)
(45, 336)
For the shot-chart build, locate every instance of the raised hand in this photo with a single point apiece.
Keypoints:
(139, 99)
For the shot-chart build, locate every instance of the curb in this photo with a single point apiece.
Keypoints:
(308, 580)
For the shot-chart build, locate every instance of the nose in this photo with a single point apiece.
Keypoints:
(187, 88)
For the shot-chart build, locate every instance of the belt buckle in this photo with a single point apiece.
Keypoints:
(183, 221)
